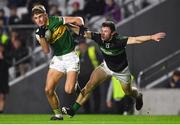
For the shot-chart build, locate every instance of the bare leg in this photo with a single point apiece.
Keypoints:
(70, 81)
(97, 77)
(53, 77)
(2, 102)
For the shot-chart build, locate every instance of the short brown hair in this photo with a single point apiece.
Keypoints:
(37, 9)
(176, 73)
(109, 24)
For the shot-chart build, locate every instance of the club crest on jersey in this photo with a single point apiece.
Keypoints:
(107, 45)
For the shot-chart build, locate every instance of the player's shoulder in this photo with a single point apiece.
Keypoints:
(120, 37)
(55, 18)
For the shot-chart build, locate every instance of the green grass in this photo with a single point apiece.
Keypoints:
(89, 119)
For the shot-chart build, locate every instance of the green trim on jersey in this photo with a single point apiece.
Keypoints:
(111, 52)
(61, 39)
(106, 49)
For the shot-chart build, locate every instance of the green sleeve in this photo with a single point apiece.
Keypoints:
(57, 20)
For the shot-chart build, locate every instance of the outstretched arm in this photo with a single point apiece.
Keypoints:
(80, 30)
(141, 39)
(73, 20)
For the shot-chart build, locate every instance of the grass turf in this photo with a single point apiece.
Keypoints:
(88, 119)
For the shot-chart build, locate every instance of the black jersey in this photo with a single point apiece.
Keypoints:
(113, 51)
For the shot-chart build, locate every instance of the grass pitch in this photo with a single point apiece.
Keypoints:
(88, 119)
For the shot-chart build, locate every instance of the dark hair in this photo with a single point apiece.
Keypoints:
(109, 24)
(176, 73)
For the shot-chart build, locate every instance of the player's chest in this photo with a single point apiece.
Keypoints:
(109, 45)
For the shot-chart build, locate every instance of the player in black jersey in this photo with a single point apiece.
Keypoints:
(112, 46)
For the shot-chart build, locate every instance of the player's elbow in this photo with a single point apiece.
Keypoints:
(80, 20)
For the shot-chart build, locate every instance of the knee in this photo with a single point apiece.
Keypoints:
(69, 89)
(49, 91)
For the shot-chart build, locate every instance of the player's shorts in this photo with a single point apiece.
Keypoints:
(65, 63)
(124, 75)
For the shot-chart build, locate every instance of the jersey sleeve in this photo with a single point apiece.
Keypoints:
(123, 40)
(57, 19)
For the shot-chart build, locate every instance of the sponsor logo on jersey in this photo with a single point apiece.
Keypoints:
(58, 32)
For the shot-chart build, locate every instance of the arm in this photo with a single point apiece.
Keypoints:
(40, 36)
(73, 20)
(76, 29)
(141, 39)
(44, 45)
(1, 52)
(109, 95)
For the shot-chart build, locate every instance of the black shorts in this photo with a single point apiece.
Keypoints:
(4, 80)
(4, 87)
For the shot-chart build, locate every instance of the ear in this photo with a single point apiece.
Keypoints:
(46, 15)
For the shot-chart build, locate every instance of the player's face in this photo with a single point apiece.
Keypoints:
(40, 19)
(106, 33)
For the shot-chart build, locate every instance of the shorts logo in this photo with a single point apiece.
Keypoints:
(52, 62)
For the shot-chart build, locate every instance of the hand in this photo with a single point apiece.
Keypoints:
(41, 31)
(158, 36)
(82, 29)
(1, 55)
(109, 104)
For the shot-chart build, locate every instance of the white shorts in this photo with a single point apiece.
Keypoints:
(124, 75)
(65, 63)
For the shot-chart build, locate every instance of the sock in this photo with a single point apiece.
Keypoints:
(135, 92)
(76, 106)
(57, 112)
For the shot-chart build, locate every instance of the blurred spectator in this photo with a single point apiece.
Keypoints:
(90, 57)
(4, 87)
(128, 9)
(116, 98)
(3, 34)
(3, 3)
(3, 17)
(62, 5)
(145, 3)
(20, 53)
(4, 65)
(76, 9)
(13, 19)
(175, 80)
(94, 8)
(112, 11)
(17, 3)
(54, 10)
